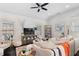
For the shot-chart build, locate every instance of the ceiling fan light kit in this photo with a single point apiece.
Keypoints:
(40, 7)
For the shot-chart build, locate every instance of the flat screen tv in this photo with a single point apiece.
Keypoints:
(28, 31)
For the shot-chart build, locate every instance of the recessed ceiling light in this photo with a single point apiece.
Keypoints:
(67, 6)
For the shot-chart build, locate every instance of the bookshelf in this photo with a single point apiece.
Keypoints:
(48, 31)
(8, 30)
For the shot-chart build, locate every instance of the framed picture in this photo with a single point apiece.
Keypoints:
(59, 27)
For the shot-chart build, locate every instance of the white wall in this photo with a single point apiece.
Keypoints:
(20, 22)
(66, 18)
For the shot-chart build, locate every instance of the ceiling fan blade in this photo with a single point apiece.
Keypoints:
(44, 4)
(38, 10)
(44, 9)
(34, 7)
(38, 4)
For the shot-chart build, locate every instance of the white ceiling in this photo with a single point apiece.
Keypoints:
(25, 10)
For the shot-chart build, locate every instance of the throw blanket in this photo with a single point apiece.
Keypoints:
(66, 48)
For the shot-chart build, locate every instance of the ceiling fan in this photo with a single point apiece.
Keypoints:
(40, 6)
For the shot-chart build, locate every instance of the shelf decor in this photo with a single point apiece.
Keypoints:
(8, 30)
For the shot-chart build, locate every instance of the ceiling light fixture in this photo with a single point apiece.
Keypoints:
(40, 7)
(67, 6)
